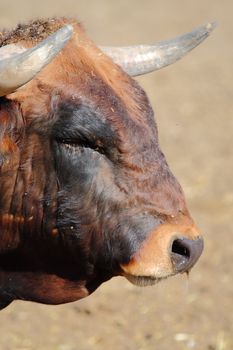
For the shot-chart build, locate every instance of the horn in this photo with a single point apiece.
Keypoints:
(141, 59)
(20, 65)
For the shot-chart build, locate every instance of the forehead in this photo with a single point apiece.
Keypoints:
(103, 86)
(81, 72)
(98, 82)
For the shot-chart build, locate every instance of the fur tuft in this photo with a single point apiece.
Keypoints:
(34, 31)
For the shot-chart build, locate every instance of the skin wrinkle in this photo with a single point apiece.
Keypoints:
(92, 189)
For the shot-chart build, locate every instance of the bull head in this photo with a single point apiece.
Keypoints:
(86, 193)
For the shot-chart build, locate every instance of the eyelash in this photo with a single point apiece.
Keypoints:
(74, 147)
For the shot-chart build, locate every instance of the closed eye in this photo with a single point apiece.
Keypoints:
(75, 146)
(81, 127)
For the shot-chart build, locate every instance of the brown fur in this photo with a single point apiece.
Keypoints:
(80, 55)
(143, 186)
(34, 31)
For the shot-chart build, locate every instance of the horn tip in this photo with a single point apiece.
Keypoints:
(211, 26)
(69, 28)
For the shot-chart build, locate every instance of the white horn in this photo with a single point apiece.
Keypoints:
(19, 65)
(142, 59)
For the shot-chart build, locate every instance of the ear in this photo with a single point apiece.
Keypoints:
(10, 121)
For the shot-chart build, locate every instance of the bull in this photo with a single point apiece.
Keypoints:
(86, 192)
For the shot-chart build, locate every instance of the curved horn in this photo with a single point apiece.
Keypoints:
(22, 64)
(142, 59)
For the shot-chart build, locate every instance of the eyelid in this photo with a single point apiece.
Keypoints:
(84, 144)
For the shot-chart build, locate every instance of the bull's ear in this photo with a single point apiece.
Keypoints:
(10, 120)
(142, 59)
(19, 65)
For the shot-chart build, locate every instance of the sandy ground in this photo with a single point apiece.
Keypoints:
(193, 101)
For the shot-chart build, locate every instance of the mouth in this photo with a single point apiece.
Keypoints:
(143, 281)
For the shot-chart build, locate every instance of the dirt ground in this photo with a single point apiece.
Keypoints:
(193, 100)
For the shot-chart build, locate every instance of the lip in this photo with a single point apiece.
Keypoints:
(143, 281)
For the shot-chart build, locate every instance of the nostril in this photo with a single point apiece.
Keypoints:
(185, 253)
(179, 248)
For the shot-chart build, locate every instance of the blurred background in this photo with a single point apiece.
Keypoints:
(193, 100)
